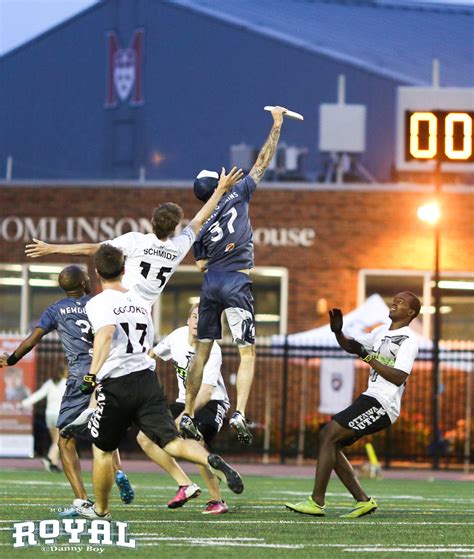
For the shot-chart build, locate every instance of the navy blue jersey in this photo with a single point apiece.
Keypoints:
(226, 240)
(68, 316)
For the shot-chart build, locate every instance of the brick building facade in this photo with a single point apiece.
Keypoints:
(323, 236)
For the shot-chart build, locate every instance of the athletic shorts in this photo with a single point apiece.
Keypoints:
(364, 417)
(73, 403)
(210, 418)
(137, 398)
(229, 292)
(51, 419)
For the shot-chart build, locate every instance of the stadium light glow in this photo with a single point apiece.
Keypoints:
(451, 284)
(429, 213)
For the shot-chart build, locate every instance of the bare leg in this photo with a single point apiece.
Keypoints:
(102, 479)
(194, 380)
(116, 462)
(72, 466)
(328, 447)
(53, 453)
(212, 483)
(187, 449)
(162, 459)
(245, 376)
(345, 473)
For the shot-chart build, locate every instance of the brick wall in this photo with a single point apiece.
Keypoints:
(355, 229)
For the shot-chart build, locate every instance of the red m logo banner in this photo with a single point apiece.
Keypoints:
(124, 70)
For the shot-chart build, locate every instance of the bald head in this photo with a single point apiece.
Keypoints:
(74, 279)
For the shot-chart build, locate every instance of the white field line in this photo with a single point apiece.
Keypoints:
(406, 550)
(320, 522)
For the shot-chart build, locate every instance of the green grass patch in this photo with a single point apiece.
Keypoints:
(416, 519)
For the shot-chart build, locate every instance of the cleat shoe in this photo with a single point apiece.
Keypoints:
(215, 507)
(184, 493)
(47, 464)
(307, 507)
(126, 490)
(361, 509)
(218, 466)
(240, 424)
(72, 512)
(91, 514)
(55, 469)
(78, 426)
(188, 428)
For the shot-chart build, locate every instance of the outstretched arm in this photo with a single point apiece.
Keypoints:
(40, 248)
(395, 376)
(268, 150)
(226, 182)
(25, 347)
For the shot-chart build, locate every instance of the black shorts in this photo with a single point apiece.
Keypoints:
(209, 418)
(364, 417)
(137, 398)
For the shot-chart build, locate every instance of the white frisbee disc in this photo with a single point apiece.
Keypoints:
(288, 114)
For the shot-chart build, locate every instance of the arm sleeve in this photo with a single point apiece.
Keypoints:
(184, 241)
(406, 355)
(47, 321)
(39, 395)
(126, 243)
(199, 250)
(100, 314)
(163, 350)
(212, 368)
(246, 187)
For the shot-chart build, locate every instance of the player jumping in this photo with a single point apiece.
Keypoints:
(391, 352)
(224, 249)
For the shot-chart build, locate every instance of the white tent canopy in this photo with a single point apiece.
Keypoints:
(373, 312)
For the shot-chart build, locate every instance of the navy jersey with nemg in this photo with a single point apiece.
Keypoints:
(226, 240)
(68, 316)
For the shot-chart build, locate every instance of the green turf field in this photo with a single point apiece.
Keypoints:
(416, 519)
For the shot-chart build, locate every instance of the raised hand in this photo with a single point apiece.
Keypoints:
(335, 320)
(226, 182)
(37, 249)
(278, 113)
(356, 348)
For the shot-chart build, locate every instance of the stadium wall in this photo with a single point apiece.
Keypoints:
(324, 237)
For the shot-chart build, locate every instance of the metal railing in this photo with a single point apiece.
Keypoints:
(286, 395)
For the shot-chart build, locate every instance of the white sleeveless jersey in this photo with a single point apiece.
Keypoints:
(176, 347)
(133, 336)
(395, 348)
(150, 262)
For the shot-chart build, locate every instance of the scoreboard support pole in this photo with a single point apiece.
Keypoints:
(436, 326)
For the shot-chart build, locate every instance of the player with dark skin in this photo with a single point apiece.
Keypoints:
(404, 308)
(75, 282)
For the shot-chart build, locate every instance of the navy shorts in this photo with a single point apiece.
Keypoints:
(74, 402)
(364, 417)
(209, 418)
(229, 292)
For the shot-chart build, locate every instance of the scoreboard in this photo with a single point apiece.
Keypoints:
(435, 124)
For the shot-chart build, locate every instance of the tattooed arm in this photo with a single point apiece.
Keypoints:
(269, 147)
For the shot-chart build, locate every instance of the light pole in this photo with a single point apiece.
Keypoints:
(430, 213)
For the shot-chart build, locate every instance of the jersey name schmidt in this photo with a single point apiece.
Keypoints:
(130, 309)
(161, 253)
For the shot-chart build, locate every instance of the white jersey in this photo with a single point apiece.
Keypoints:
(52, 391)
(397, 349)
(176, 347)
(133, 335)
(150, 262)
